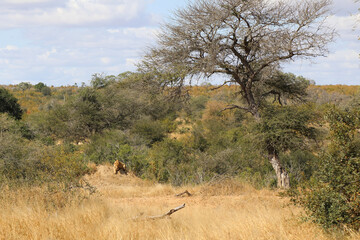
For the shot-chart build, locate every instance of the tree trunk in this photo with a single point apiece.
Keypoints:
(283, 180)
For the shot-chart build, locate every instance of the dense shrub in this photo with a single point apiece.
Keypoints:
(61, 164)
(24, 161)
(9, 104)
(114, 145)
(171, 161)
(300, 164)
(15, 151)
(196, 105)
(333, 198)
(151, 131)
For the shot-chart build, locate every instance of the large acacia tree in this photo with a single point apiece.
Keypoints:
(245, 41)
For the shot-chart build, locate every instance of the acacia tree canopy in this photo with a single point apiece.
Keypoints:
(245, 40)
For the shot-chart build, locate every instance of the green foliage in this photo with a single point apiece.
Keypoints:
(106, 147)
(77, 119)
(355, 102)
(39, 86)
(171, 161)
(117, 103)
(134, 118)
(13, 150)
(24, 86)
(9, 104)
(286, 86)
(236, 154)
(200, 158)
(46, 91)
(300, 164)
(334, 198)
(114, 145)
(121, 105)
(152, 131)
(328, 207)
(212, 133)
(197, 105)
(59, 164)
(101, 80)
(281, 130)
(199, 140)
(285, 128)
(29, 162)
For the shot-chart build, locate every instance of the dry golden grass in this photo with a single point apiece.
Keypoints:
(223, 210)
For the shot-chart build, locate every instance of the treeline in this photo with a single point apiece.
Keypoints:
(185, 136)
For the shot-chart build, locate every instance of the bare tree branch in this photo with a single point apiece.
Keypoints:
(171, 211)
(226, 82)
(235, 107)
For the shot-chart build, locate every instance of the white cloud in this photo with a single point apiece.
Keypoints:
(131, 62)
(46, 55)
(61, 42)
(73, 55)
(24, 1)
(344, 25)
(73, 13)
(113, 31)
(105, 60)
(9, 48)
(143, 32)
(344, 55)
(4, 61)
(341, 66)
(345, 7)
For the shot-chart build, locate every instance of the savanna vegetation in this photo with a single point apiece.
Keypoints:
(235, 142)
(188, 141)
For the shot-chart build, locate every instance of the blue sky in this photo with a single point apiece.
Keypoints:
(63, 42)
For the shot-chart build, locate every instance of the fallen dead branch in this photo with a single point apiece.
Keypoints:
(160, 216)
(183, 193)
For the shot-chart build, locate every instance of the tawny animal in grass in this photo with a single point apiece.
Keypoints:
(118, 166)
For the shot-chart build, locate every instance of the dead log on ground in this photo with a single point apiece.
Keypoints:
(183, 193)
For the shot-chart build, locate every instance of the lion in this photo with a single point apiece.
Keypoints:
(118, 166)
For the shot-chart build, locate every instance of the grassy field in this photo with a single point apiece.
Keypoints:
(225, 210)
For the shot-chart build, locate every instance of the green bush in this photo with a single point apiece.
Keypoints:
(329, 208)
(106, 147)
(61, 164)
(46, 91)
(24, 161)
(197, 105)
(300, 164)
(171, 161)
(114, 145)
(9, 104)
(15, 151)
(333, 198)
(152, 131)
